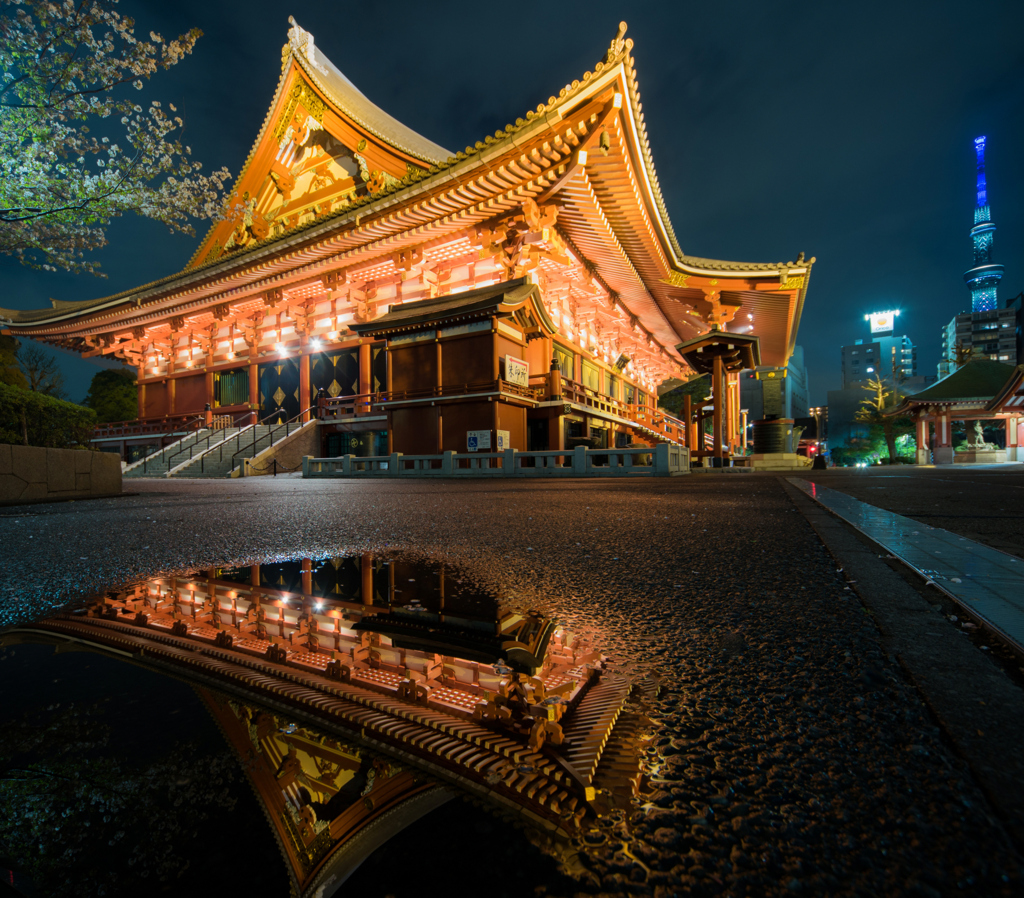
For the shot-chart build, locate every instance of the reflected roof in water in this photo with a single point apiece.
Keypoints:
(363, 691)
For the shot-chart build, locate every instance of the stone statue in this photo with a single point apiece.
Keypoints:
(976, 440)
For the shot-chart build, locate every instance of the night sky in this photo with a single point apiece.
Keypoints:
(841, 130)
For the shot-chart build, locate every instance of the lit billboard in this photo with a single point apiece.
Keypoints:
(882, 322)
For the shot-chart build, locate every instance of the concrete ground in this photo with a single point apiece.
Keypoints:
(801, 743)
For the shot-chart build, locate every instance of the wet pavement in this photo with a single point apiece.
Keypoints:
(791, 754)
(988, 582)
(982, 502)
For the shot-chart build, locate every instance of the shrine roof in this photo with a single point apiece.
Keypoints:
(350, 100)
(977, 381)
(498, 299)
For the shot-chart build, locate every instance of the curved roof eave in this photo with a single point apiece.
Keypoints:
(355, 104)
(453, 167)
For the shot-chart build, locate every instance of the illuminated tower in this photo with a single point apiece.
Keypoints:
(984, 277)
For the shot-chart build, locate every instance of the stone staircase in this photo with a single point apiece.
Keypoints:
(217, 460)
(156, 465)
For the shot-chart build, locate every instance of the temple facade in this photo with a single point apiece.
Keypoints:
(528, 289)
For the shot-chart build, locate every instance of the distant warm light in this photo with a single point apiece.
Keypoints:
(280, 348)
(316, 344)
(333, 335)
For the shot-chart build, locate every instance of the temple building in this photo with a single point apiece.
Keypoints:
(399, 297)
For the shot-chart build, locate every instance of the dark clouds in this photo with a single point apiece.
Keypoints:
(843, 130)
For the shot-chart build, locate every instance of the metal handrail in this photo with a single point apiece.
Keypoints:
(256, 437)
(188, 423)
(191, 449)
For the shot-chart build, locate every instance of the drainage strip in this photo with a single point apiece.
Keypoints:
(983, 580)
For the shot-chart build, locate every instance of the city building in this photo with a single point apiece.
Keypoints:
(429, 298)
(987, 331)
(883, 357)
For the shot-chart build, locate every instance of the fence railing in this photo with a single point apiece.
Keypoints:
(293, 423)
(663, 460)
(212, 440)
(188, 427)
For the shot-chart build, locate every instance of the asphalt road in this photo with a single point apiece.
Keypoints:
(793, 754)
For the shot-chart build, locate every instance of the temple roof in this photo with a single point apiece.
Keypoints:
(611, 212)
(350, 100)
(499, 299)
(979, 380)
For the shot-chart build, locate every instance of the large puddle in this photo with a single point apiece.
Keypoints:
(354, 698)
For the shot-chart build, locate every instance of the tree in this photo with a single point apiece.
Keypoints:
(875, 410)
(69, 805)
(113, 396)
(41, 372)
(10, 373)
(67, 66)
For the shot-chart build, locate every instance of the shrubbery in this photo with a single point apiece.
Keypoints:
(28, 418)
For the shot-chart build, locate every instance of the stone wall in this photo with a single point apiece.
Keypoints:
(36, 474)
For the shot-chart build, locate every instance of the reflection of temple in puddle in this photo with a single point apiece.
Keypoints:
(355, 689)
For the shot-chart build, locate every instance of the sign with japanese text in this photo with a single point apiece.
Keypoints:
(517, 371)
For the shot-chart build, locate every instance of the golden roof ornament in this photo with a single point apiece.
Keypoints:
(301, 42)
(617, 45)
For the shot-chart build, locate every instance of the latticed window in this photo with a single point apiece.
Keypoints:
(591, 377)
(566, 362)
(231, 387)
(612, 386)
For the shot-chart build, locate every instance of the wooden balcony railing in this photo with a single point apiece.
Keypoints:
(150, 426)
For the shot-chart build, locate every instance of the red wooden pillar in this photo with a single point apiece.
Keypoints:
(717, 401)
(366, 570)
(922, 439)
(365, 375)
(687, 416)
(1011, 440)
(307, 576)
(254, 392)
(304, 380)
